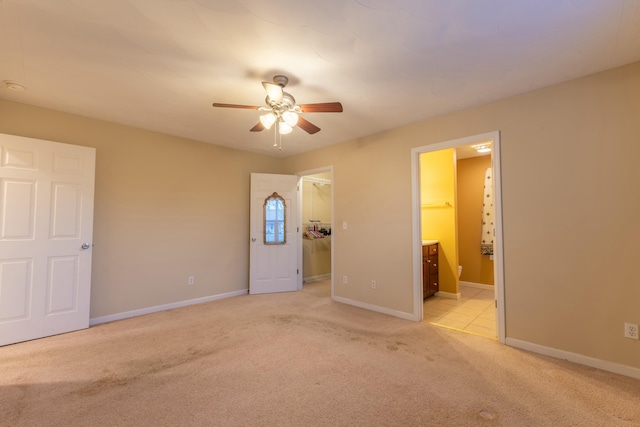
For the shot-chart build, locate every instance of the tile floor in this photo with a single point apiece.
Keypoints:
(474, 312)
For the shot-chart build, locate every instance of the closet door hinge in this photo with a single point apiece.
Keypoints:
(297, 271)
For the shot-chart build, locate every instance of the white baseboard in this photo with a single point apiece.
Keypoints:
(477, 285)
(448, 295)
(149, 310)
(371, 307)
(604, 365)
(316, 278)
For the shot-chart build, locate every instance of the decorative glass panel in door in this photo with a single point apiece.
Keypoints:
(275, 220)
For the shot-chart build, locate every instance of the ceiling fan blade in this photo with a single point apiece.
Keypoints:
(325, 107)
(257, 128)
(307, 126)
(247, 107)
(274, 91)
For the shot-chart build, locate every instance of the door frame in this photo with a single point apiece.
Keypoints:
(300, 175)
(498, 264)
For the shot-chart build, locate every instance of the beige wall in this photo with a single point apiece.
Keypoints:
(570, 211)
(165, 208)
(476, 268)
(372, 193)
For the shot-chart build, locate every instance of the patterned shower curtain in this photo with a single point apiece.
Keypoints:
(486, 244)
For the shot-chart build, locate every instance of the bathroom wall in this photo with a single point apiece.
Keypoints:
(438, 200)
(316, 205)
(476, 268)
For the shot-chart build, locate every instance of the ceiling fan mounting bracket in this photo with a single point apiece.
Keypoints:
(281, 80)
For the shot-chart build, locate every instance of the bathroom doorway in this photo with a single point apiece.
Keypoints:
(440, 209)
(316, 221)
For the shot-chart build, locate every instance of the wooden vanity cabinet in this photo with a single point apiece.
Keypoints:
(429, 270)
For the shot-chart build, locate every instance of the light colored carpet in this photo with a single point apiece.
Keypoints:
(297, 359)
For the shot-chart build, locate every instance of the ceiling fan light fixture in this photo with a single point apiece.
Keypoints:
(290, 118)
(284, 128)
(274, 92)
(268, 120)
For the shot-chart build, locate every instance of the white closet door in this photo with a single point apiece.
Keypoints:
(46, 231)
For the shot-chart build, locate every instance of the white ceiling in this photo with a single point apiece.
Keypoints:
(160, 64)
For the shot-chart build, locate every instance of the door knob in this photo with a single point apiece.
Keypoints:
(86, 246)
(253, 239)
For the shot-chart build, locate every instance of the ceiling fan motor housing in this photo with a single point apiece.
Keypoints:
(288, 103)
(281, 80)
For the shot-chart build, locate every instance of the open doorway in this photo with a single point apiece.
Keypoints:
(316, 220)
(440, 208)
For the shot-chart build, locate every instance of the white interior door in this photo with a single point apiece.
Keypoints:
(46, 229)
(273, 267)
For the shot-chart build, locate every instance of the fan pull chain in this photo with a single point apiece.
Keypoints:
(275, 138)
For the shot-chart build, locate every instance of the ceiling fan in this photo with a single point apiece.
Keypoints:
(282, 109)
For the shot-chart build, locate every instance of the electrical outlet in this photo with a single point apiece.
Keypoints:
(191, 280)
(373, 284)
(631, 330)
(345, 280)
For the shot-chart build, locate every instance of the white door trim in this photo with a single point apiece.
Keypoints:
(498, 265)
